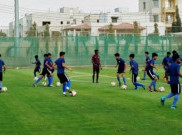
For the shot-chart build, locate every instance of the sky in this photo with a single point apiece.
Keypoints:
(89, 6)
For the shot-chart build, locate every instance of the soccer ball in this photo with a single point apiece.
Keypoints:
(36, 78)
(161, 89)
(73, 93)
(4, 89)
(124, 87)
(58, 84)
(44, 84)
(138, 78)
(113, 84)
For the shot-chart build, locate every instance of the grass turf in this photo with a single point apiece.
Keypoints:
(98, 109)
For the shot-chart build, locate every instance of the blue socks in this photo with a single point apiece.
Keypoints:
(69, 84)
(138, 84)
(124, 80)
(1, 84)
(38, 80)
(64, 88)
(118, 78)
(176, 98)
(144, 76)
(50, 79)
(152, 83)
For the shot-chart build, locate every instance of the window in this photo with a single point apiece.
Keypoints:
(82, 21)
(114, 19)
(97, 20)
(44, 23)
(68, 22)
(144, 5)
(62, 22)
(74, 21)
(156, 3)
(156, 18)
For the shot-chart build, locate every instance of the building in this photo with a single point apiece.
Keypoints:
(57, 21)
(161, 10)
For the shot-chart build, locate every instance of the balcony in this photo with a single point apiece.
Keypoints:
(169, 10)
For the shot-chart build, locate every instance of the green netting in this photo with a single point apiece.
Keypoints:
(20, 52)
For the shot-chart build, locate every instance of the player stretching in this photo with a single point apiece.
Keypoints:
(150, 72)
(2, 66)
(146, 62)
(166, 63)
(60, 63)
(134, 69)
(174, 72)
(96, 66)
(50, 69)
(44, 71)
(121, 68)
(37, 65)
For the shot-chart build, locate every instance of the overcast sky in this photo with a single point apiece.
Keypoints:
(6, 6)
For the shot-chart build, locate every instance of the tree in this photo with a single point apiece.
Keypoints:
(136, 28)
(156, 30)
(46, 31)
(2, 34)
(111, 30)
(32, 31)
(176, 25)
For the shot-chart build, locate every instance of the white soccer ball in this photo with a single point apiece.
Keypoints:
(73, 93)
(124, 87)
(58, 84)
(113, 84)
(161, 89)
(138, 78)
(4, 89)
(44, 83)
(36, 78)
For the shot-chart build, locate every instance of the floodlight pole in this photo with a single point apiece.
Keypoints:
(16, 28)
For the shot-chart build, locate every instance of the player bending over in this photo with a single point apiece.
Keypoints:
(37, 65)
(166, 63)
(150, 72)
(60, 63)
(96, 66)
(2, 70)
(121, 68)
(174, 72)
(134, 69)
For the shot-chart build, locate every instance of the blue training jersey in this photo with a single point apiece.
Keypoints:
(121, 64)
(50, 63)
(38, 63)
(45, 60)
(1, 65)
(151, 62)
(60, 68)
(166, 61)
(174, 70)
(147, 59)
(134, 64)
(171, 60)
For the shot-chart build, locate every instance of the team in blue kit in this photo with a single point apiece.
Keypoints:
(121, 64)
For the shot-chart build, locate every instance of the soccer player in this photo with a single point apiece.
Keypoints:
(37, 65)
(2, 69)
(121, 64)
(166, 63)
(150, 72)
(174, 72)
(146, 62)
(96, 66)
(60, 63)
(44, 71)
(50, 69)
(134, 69)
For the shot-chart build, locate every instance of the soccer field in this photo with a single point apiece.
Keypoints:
(98, 109)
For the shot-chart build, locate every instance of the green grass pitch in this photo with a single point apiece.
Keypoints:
(98, 109)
